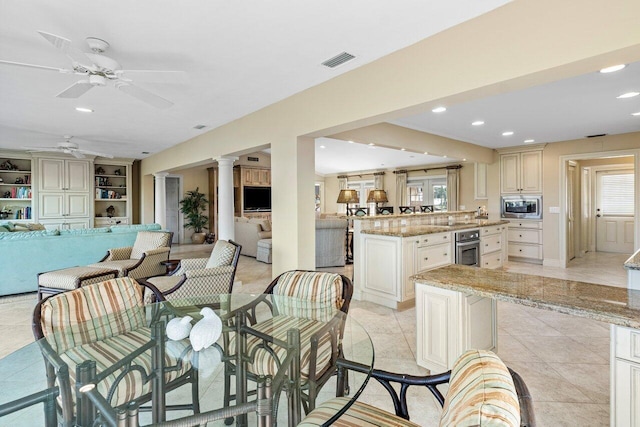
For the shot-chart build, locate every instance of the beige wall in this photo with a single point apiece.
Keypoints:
(264, 160)
(516, 52)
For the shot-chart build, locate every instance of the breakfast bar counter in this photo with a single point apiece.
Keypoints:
(618, 306)
(453, 315)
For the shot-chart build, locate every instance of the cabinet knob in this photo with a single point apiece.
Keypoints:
(426, 258)
(486, 245)
(521, 235)
(445, 254)
(498, 241)
(445, 236)
(520, 250)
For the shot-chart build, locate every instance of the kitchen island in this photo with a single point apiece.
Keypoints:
(444, 332)
(388, 249)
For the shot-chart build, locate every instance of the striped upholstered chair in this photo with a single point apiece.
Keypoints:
(482, 392)
(143, 258)
(313, 302)
(107, 323)
(198, 277)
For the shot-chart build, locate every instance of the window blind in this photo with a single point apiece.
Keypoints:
(616, 194)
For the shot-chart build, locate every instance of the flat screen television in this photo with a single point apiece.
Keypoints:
(257, 198)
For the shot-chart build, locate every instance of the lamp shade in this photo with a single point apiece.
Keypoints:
(377, 196)
(348, 196)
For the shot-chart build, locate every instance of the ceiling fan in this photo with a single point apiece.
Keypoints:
(68, 147)
(100, 69)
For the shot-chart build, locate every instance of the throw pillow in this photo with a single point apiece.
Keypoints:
(3, 229)
(222, 254)
(266, 225)
(35, 227)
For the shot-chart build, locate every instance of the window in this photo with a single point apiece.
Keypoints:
(616, 194)
(431, 191)
(363, 189)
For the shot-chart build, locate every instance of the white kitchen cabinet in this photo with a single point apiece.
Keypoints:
(389, 261)
(492, 243)
(64, 193)
(521, 172)
(625, 374)
(525, 240)
(449, 323)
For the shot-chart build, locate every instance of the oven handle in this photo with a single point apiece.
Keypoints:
(469, 243)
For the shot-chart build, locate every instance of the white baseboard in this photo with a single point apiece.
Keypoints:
(553, 263)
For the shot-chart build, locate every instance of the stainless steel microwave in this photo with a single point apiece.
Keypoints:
(524, 206)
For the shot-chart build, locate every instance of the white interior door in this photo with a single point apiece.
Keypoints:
(614, 211)
(173, 206)
(571, 173)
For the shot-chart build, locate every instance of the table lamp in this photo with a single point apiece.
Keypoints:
(348, 196)
(377, 196)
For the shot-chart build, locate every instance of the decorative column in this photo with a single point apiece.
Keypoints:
(160, 200)
(225, 197)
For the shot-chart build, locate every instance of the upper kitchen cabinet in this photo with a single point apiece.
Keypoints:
(521, 171)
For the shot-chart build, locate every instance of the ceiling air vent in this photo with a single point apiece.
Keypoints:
(338, 60)
(199, 127)
(596, 136)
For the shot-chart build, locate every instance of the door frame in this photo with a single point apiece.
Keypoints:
(564, 160)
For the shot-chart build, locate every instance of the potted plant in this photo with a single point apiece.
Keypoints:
(193, 206)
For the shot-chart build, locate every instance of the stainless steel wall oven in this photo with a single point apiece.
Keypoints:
(468, 247)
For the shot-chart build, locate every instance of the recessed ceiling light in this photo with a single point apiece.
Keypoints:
(426, 152)
(444, 156)
(613, 68)
(350, 142)
(636, 114)
(628, 95)
(439, 109)
(507, 133)
(84, 110)
(371, 144)
(403, 149)
(477, 123)
(464, 160)
(527, 141)
(322, 146)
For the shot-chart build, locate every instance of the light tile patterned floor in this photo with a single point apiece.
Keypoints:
(564, 360)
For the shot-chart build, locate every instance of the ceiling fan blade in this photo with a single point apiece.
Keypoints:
(75, 90)
(42, 67)
(41, 149)
(95, 153)
(64, 45)
(143, 95)
(75, 153)
(152, 76)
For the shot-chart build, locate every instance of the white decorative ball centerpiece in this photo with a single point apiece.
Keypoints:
(178, 328)
(206, 331)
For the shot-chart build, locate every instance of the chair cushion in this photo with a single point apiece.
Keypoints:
(358, 414)
(64, 315)
(481, 392)
(147, 240)
(121, 265)
(222, 254)
(110, 351)
(309, 294)
(277, 327)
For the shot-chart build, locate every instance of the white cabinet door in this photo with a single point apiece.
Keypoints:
(627, 394)
(77, 204)
(77, 175)
(51, 205)
(381, 267)
(437, 323)
(531, 172)
(51, 172)
(492, 260)
(509, 173)
(434, 256)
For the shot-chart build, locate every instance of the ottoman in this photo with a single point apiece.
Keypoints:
(264, 251)
(66, 279)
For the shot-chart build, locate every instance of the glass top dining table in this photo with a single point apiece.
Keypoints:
(23, 374)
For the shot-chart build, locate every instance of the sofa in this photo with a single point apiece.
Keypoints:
(24, 254)
(247, 232)
(330, 242)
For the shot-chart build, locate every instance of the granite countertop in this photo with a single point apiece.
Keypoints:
(410, 215)
(633, 263)
(419, 230)
(619, 306)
